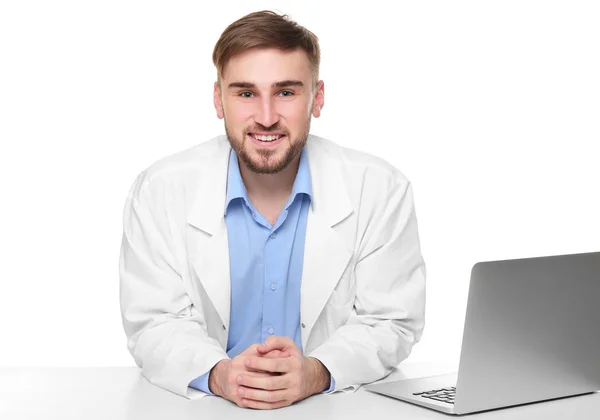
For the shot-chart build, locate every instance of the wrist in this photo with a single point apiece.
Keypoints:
(322, 377)
(214, 377)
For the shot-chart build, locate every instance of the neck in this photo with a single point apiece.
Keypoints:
(270, 186)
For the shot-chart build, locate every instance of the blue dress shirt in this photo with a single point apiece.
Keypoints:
(265, 265)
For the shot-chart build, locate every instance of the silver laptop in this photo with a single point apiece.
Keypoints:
(532, 333)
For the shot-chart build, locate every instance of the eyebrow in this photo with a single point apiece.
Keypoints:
(282, 84)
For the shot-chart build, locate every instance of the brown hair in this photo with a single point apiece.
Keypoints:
(265, 29)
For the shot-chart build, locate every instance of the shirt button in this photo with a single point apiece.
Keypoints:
(273, 286)
(273, 236)
(271, 330)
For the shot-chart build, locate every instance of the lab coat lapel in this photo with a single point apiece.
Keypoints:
(208, 247)
(326, 254)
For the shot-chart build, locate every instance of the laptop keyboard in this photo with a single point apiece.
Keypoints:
(443, 394)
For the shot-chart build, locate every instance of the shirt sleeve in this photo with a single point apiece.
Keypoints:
(331, 386)
(201, 383)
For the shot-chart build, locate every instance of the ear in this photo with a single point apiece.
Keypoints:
(218, 101)
(319, 100)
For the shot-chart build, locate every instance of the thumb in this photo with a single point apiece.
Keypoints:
(250, 351)
(266, 347)
(277, 343)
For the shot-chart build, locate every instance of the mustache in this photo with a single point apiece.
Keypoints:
(262, 128)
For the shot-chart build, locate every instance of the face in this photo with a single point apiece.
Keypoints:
(266, 98)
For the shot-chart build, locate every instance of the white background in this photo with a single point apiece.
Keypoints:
(491, 109)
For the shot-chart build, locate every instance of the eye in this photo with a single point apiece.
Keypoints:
(246, 94)
(286, 93)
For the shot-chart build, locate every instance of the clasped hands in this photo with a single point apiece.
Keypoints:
(270, 375)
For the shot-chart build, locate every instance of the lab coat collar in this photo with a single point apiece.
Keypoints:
(329, 198)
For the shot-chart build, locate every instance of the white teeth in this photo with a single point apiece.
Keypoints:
(265, 138)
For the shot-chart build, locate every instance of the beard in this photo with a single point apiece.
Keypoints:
(267, 163)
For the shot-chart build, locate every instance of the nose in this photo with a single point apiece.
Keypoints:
(267, 114)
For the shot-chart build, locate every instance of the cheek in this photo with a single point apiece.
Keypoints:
(238, 114)
(295, 114)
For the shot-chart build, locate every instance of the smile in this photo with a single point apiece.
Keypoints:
(266, 138)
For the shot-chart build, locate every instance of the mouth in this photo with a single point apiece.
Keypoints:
(268, 140)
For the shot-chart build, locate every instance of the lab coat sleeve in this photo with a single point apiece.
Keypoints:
(388, 315)
(166, 333)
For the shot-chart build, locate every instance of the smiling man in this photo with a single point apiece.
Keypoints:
(269, 264)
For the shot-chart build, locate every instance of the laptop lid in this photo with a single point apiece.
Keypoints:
(532, 331)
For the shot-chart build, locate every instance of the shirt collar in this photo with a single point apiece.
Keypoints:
(237, 189)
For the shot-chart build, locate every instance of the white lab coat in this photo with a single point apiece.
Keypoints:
(363, 281)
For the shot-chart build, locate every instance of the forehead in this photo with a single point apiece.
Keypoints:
(266, 66)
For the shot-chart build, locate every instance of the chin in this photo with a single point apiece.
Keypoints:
(272, 167)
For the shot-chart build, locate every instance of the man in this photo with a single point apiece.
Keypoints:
(269, 265)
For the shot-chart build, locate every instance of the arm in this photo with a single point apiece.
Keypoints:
(388, 314)
(166, 333)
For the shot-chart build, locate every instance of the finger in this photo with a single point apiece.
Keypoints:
(268, 383)
(276, 342)
(269, 365)
(259, 371)
(277, 354)
(262, 395)
(256, 374)
(262, 405)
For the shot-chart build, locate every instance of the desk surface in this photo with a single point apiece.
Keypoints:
(123, 393)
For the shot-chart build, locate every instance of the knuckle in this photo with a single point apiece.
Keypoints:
(284, 397)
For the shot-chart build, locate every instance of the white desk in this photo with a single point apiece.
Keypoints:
(123, 393)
